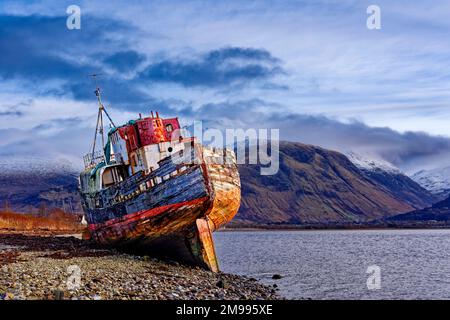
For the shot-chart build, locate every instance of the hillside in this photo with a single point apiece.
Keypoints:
(316, 185)
(400, 185)
(313, 186)
(34, 184)
(438, 213)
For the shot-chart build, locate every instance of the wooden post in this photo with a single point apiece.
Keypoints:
(208, 251)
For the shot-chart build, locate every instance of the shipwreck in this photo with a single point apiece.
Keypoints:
(149, 188)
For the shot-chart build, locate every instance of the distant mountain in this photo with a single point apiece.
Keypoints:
(313, 186)
(319, 186)
(36, 166)
(391, 177)
(437, 181)
(437, 214)
(32, 184)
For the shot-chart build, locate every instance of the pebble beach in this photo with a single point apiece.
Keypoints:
(64, 267)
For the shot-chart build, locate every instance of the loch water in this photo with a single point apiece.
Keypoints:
(347, 264)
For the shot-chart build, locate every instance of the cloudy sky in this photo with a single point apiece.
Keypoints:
(310, 68)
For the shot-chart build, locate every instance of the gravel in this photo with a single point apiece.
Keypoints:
(36, 267)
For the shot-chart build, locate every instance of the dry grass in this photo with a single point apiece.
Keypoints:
(56, 221)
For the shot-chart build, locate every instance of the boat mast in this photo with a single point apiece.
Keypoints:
(99, 130)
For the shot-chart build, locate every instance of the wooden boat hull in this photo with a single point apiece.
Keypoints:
(174, 218)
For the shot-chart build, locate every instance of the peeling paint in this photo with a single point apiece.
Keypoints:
(170, 208)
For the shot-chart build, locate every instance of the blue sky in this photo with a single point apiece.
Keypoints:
(310, 68)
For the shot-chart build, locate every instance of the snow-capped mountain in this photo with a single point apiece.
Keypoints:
(371, 164)
(392, 178)
(437, 181)
(36, 165)
(314, 185)
(29, 183)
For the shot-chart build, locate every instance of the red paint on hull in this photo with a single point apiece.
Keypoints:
(136, 216)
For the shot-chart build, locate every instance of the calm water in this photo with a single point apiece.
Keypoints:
(415, 264)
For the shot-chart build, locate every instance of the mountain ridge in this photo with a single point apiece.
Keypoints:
(437, 215)
(313, 186)
(319, 186)
(437, 181)
(401, 186)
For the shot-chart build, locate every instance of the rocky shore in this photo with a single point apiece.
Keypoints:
(51, 267)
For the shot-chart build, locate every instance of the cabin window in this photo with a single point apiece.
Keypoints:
(169, 128)
(112, 175)
(108, 178)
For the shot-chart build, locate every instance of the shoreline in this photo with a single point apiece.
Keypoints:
(62, 267)
(293, 228)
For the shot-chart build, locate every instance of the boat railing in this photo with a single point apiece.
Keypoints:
(92, 159)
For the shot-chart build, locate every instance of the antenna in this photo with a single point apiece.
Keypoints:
(94, 76)
(99, 126)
